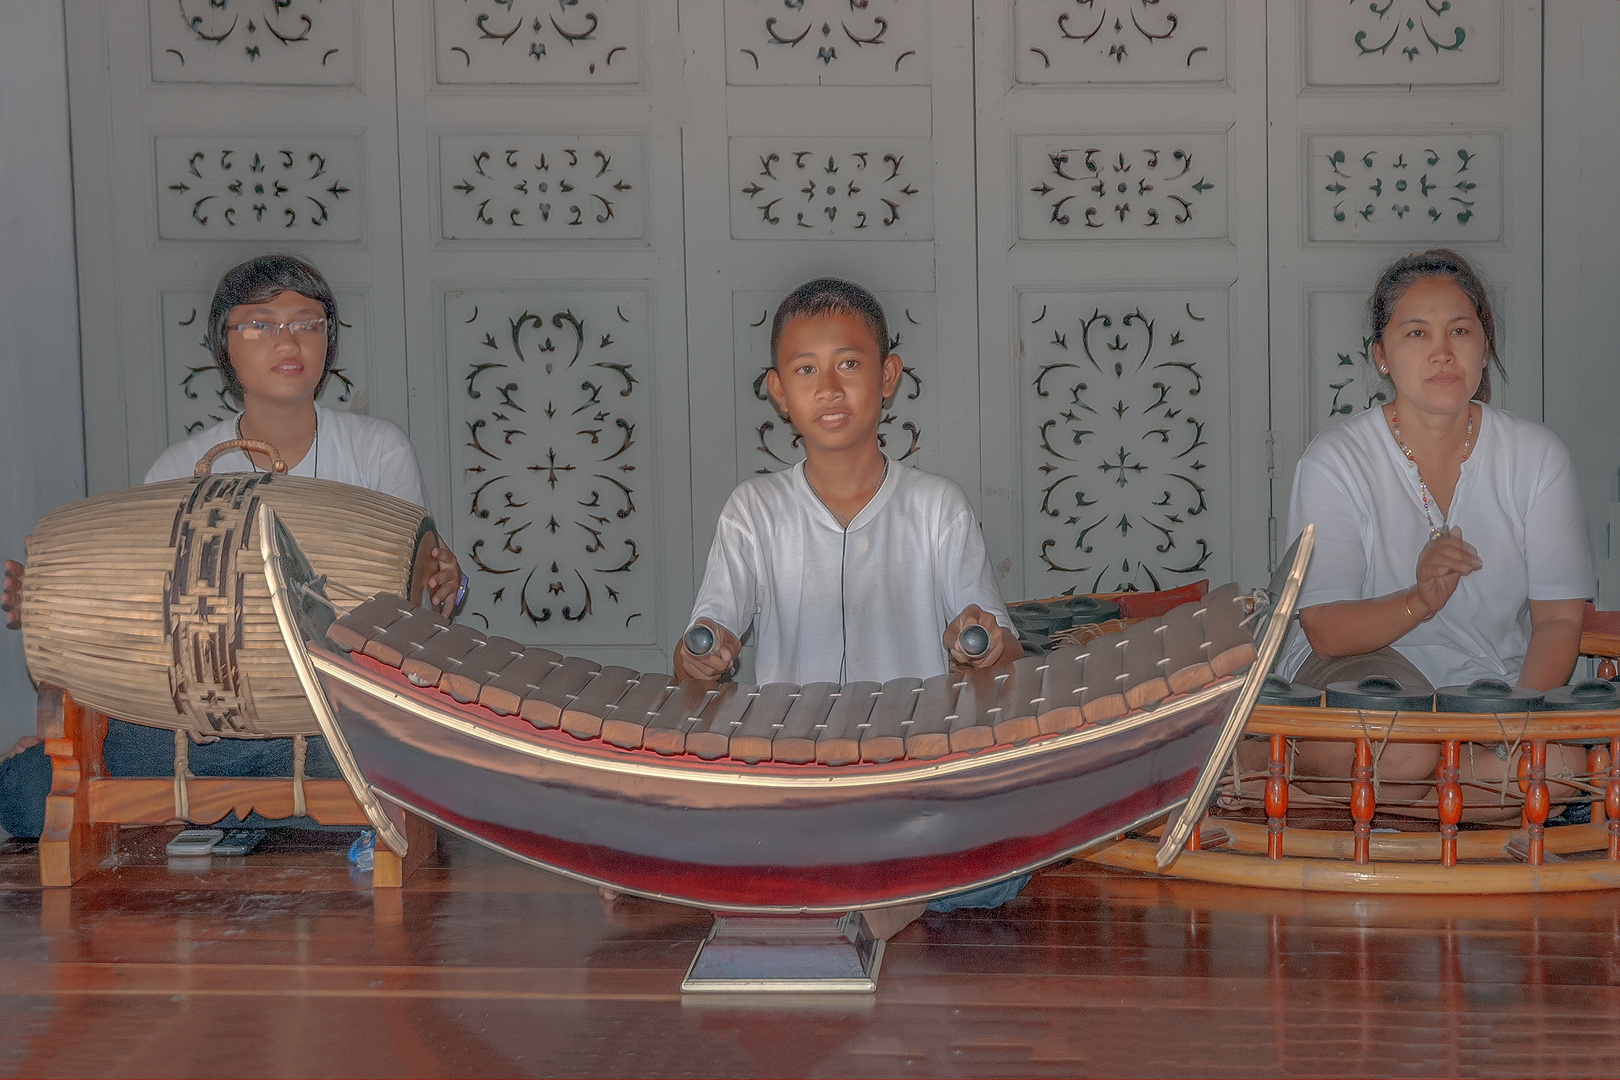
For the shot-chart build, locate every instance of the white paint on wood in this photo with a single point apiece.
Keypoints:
(41, 423)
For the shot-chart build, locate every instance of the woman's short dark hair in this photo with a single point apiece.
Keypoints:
(825, 296)
(1400, 275)
(256, 282)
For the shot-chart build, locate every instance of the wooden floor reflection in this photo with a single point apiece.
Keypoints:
(282, 963)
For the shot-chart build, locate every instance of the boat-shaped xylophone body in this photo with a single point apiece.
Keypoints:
(775, 798)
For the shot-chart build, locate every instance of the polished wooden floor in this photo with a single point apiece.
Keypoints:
(283, 963)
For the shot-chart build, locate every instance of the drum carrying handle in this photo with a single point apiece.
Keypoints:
(205, 464)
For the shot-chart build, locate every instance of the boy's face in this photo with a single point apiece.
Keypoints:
(831, 379)
(287, 367)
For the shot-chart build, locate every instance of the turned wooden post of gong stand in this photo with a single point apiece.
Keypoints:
(1449, 799)
(1532, 773)
(1363, 801)
(71, 845)
(1611, 799)
(1276, 797)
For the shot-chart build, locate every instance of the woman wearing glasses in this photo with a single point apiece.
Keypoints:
(273, 331)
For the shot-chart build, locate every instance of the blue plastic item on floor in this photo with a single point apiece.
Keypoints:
(363, 850)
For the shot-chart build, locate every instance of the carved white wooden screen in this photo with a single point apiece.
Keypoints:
(1396, 127)
(558, 236)
(1122, 286)
(204, 133)
(828, 138)
(545, 312)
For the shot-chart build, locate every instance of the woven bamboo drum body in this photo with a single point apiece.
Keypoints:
(150, 603)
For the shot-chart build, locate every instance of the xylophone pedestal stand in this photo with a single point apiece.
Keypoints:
(797, 954)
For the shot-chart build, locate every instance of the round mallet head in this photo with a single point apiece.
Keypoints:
(975, 640)
(700, 641)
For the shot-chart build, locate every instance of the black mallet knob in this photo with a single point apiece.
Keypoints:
(975, 640)
(700, 641)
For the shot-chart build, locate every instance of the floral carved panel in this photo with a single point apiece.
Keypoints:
(195, 394)
(1119, 41)
(553, 509)
(1344, 380)
(213, 187)
(539, 42)
(827, 43)
(1404, 42)
(1125, 408)
(542, 187)
(831, 188)
(254, 42)
(909, 428)
(1090, 186)
(1423, 188)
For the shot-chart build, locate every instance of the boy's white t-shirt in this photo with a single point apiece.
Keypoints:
(366, 451)
(835, 605)
(1516, 502)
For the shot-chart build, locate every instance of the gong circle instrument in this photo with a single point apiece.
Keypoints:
(150, 603)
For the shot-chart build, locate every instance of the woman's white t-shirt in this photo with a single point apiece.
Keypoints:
(366, 451)
(840, 605)
(1516, 502)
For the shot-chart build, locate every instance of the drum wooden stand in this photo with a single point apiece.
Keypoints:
(86, 806)
(1527, 859)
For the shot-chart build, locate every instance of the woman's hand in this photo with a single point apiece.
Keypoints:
(11, 590)
(1004, 649)
(445, 583)
(713, 664)
(1441, 564)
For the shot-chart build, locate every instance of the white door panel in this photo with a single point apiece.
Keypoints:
(1122, 292)
(1396, 130)
(204, 134)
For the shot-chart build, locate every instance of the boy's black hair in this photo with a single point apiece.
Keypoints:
(832, 296)
(255, 282)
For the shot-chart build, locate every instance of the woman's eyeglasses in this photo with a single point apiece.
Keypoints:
(268, 331)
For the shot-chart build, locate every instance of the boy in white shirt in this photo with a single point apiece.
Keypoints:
(848, 566)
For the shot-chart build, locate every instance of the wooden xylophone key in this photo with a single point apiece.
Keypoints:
(504, 692)
(1187, 667)
(1230, 646)
(465, 680)
(371, 618)
(583, 714)
(839, 740)
(442, 652)
(404, 638)
(795, 741)
(625, 723)
(978, 707)
(666, 729)
(1142, 660)
(1063, 688)
(751, 740)
(1022, 696)
(1103, 696)
(710, 737)
(543, 705)
(928, 732)
(885, 736)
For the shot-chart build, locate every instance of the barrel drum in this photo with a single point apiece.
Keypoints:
(150, 604)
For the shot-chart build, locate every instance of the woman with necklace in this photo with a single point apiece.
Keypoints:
(1450, 544)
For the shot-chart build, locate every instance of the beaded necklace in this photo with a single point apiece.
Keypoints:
(1435, 531)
